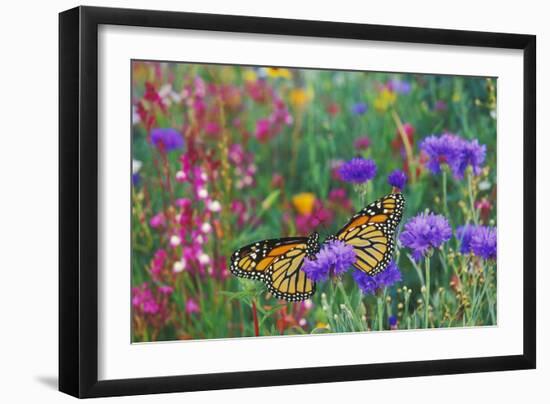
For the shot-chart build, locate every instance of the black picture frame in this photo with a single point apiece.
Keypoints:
(78, 200)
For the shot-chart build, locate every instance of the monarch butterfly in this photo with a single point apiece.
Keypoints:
(278, 262)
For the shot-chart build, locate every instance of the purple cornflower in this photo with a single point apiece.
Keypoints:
(359, 108)
(425, 231)
(334, 258)
(357, 170)
(392, 321)
(399, 86)
(445, 149)
(484, 242)
(456, 152)
(397, 179)
(166, 139)
(472, 154)
(370, 284)
(464, 235)
(136, 179)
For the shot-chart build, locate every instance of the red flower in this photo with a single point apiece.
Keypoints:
(397, 142)
(333, 109)
(153, 96)
(484, 206)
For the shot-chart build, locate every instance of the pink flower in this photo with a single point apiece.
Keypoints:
(165, 290)
(200, 86)
(262, 130)
(144, 301)
(362, 143)
(335, 169)
(484, 206)
(157, 220)
(212, 128)
(220, 268)
(277, 181)
(236, 154)
(306, 224)
(183, 203)
(191, 306)
(200, 108)
(157, 263)
(239, 209)
(339, 197)
(258, 90)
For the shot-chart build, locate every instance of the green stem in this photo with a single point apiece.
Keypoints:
(471, 197)
(380, 309)
(444, 184)
(346, 299)
(361, 190)
(427, 294)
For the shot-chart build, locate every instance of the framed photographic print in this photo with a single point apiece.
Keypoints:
(251, 201)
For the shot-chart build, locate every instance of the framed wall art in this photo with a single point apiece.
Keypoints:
(251, 201)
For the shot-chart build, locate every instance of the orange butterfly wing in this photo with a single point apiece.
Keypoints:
(371, 233)
(277, 263)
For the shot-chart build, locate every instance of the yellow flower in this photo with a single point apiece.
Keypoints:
(141, 71)
(249, 75)
(385, 99)
(228, 74)
(277, 72)
(299, 97)
(320, 324)
(304, 202)
(456, 97)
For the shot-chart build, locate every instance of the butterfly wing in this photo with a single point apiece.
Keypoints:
(371, 233)
(277, 263)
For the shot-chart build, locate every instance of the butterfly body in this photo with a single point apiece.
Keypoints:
(278, 262)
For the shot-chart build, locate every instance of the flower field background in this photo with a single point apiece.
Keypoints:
(227, 155)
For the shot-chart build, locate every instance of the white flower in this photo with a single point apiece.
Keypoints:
(214, 206)
(179, 266)
(181, 176)
(204, 259)
(202, 193)
(206, 228)
(165, 90)
(175, 241)
(175, 97)
(302, 322)
(484, 185)
(136, 166)
(135, 116)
